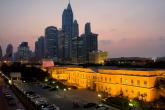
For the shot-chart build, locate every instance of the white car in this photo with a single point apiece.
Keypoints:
(51, 107)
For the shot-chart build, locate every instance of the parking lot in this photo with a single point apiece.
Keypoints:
(65, 99)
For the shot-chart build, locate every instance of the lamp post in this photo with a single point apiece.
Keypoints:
(99, 96)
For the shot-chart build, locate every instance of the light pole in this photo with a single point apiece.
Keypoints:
(99, 96)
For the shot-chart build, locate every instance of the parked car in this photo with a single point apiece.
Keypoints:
(53, 89)
(51, 107)
(90, 105)
(46, 87)
(12, 102)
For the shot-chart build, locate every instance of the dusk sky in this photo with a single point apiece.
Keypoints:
(125, 27)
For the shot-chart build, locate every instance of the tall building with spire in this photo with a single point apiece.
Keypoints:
(67, 27)
(67, 20)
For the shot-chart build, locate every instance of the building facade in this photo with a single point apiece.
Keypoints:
(132, 84)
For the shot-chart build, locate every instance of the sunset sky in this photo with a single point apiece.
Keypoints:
(125, 27)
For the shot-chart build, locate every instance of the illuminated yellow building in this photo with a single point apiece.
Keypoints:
(139, 84)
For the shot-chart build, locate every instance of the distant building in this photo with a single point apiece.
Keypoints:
(0, 53)
(67, 20)
(51, 42)
(23, 52)
(90, 41)
(40, 48)
(88, 28)
(75, 29)
(78, 56)
(132, 61)
(97, 57)
(67, 27)
(63, 47)
(160, 59)
(9, 52)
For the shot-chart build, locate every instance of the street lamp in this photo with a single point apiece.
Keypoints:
(53, 82)
(10, 82)
(64, 90)
(99, 96)
(57, 87)
(46, 79)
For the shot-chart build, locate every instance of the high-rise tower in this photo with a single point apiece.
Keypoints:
(67, 20)
(87, 28)
(9, 52)
(67, 27)
(51, 42)
(75, 29)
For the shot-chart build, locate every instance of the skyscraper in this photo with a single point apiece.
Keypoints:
(51, 42)
(75, 42)
(9, 52)
(75, 29)
(67, 27)
(90, 41)
(67, 20)
(40, 48)
(88, 28)
(23, 52)
(0, 53)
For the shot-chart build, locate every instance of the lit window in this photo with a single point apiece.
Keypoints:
(138, 93)
(105, 79)
(109, 79)
(121, 80)
(145, 83)
(132, 82)
(126, 81)
(138, 82)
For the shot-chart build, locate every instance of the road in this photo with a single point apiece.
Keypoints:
(3, 101)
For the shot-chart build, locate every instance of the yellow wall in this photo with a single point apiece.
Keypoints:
(132, 83)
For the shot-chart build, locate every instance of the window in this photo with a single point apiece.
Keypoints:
(138, 93)
(109, 79)
(105, 79)
(145, 83)
(138, 82)
(125, 81)
(121, 80)
(132, 82)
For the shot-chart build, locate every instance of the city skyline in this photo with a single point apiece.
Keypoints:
(138, 32)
